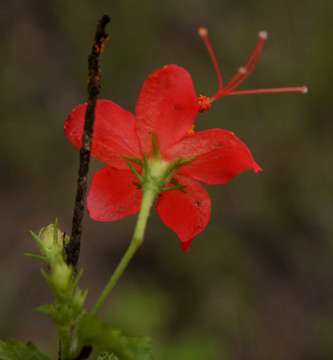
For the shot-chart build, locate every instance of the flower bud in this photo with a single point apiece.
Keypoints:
(61, 276)
(51, 243)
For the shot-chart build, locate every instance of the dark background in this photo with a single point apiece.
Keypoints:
(258, 283)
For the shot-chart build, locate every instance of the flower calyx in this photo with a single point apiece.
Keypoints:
(154, 173)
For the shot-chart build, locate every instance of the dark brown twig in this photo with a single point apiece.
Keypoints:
(94, 85)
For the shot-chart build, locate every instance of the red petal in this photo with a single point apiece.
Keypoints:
(114, 132)
(220, 155)
(113, 195)
(167, 106)
(186, 212)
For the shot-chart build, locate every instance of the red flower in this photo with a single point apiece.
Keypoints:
(167, 108)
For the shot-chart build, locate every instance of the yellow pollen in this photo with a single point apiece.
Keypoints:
(204, 102)
(191, 131)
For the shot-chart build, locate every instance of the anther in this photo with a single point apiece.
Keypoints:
(204, 102)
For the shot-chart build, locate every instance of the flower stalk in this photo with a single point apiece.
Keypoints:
(149, 195)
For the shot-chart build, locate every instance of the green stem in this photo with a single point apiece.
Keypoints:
(148, 198)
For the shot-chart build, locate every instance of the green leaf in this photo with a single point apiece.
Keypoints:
(16, 350)
(102, 337)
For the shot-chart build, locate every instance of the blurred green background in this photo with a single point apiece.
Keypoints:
(258, 283)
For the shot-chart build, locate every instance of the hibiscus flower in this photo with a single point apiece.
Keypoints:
(156, 153)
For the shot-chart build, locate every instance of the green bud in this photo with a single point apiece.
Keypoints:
(51, 242)
(61, 276)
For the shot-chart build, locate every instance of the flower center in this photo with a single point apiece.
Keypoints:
(157, 174)
(157, 171)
